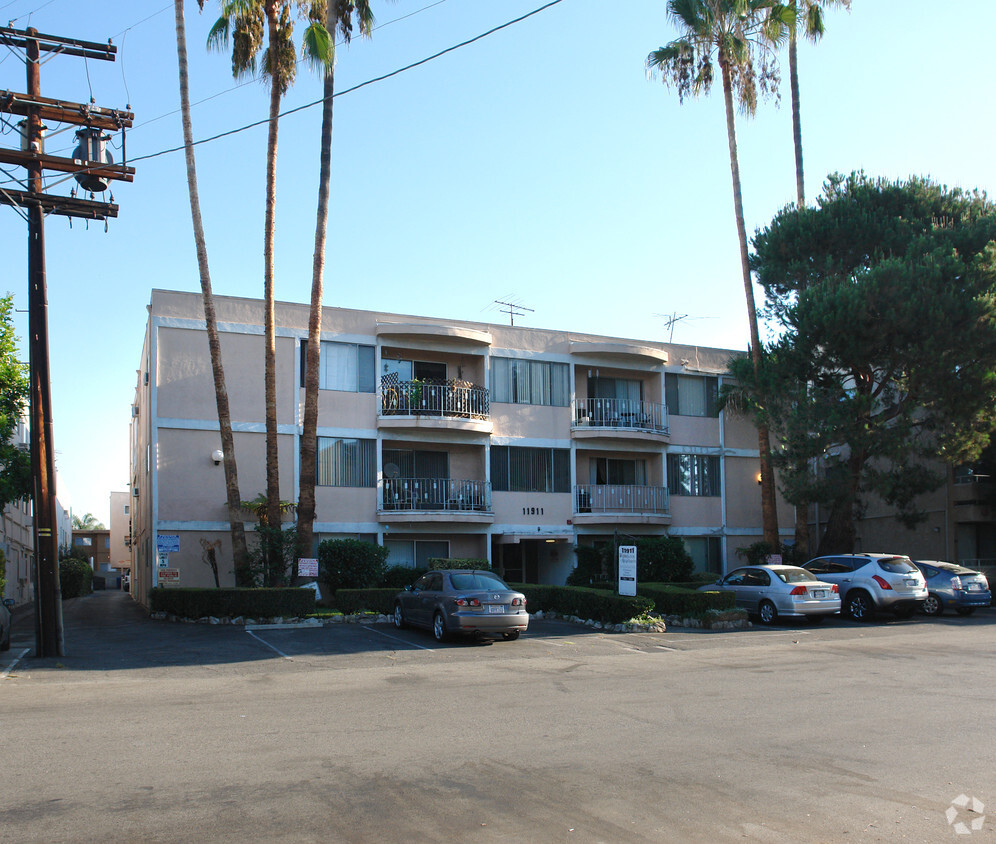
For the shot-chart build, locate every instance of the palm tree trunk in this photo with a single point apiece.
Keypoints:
(800, 182)
(270, 351)
(309, 440)
(769, 512)
(214, 345)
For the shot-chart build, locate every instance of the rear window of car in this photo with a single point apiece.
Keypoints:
(897, 565)
(794, 576)
(477, 580)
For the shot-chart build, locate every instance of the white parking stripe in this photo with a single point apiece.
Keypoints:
(13, 665)
(271, 647)
(396, 639)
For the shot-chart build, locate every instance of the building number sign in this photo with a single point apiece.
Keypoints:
(532, 511)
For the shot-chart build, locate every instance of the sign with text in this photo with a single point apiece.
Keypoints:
(167, 542)
(307, 567)
(627, 570)
(169, 575)
(163, 560)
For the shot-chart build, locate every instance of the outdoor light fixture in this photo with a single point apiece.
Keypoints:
(759, 477)
(217, 456)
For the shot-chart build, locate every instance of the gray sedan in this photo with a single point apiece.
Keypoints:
(462, 601)
(771, 591)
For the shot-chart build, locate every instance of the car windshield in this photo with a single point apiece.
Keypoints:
(477, 580)
(897, 565)
(794, 576)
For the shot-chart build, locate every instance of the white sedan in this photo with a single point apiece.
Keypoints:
(772, 591)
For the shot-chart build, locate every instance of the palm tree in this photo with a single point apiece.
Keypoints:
(339, 21)
(245, 19)
(214, 343)
(87, 522)
(812, 14)
(740, 35)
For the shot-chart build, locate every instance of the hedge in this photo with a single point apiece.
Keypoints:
(674, 600)
(584, 602)
(351, 601)
(254, 603)
(75, 578)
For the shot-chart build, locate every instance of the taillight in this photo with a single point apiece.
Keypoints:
(466, 602)
(799, 590)
(518, 602)
(834, 589)
(881, 581)
(956, 582)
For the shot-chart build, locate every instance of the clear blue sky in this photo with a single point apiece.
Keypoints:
(539, 164)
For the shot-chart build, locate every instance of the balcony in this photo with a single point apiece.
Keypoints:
(420, 404)
(625, 418)
(434, 500)
(621, 503)
(973, 499)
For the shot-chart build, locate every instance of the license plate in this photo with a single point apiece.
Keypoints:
(911, 583)
(820, 593)
(499, 608)
(974, 587)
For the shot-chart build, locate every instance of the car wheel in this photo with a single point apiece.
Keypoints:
(960, 611)
(511, 636)
(860, 606)
(767, 612)
(932, 605)
(399, 616)
(439, 627)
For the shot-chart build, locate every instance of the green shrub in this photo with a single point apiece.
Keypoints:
(436, 563)
(662, 559)
(591, 566)
(75, 578)
(670, 599)
(583, 602)
(398, 577)
(351, 601)
(253, 603)
(351, 564)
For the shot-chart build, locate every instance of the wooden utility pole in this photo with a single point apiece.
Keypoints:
(37, 203)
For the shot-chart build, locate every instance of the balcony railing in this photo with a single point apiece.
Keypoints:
(435, 494)
(620, 498)
(621, 413)
(457, 400)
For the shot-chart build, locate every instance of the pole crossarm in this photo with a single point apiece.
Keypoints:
(58, 44)
(67, 165)
(66, 206)
(60, 111)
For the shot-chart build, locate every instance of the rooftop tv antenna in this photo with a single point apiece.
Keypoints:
(672, 319)
(513, 309)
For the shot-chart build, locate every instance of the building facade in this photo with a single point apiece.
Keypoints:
(440, 439)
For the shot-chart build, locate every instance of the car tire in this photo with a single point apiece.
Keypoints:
(511, 636)
(399, 616)
(860, 606)
(932, 605)
(439, 627)
(767, 612)
(965, 610)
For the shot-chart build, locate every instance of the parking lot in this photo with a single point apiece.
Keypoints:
(158, 731)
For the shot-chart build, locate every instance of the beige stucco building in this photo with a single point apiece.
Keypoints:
(440, 439)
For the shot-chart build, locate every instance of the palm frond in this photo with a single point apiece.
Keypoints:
(318, 47)
(218, 36)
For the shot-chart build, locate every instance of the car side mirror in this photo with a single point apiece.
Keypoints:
(9, 603)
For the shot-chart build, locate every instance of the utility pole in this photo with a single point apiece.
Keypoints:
(92, 169)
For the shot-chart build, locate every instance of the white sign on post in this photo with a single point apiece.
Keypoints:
(627, 570)
(307, 567)
(167, 542)
(163, 559)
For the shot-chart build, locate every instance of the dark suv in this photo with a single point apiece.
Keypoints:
(871, 582)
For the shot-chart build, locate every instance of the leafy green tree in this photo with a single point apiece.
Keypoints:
(740, 36)
(885, 296)
(339, 21)
(15, 462)
(87, 521)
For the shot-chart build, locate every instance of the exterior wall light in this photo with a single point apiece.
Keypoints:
(217, 456)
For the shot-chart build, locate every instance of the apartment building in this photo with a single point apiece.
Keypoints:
(440, 438)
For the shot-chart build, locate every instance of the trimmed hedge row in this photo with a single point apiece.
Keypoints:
(350, 601)
(583, 602)
(254, 603)
(675, 600)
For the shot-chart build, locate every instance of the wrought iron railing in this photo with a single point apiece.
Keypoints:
(435, 494)
(621, 413)
(420, 398)
(620, 498)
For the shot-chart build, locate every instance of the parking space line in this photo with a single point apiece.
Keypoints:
(271, 647)
(13, 665)
(396, 639)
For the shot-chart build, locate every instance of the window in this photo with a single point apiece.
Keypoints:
(693, 474)
(691, 395)
(607, 470)
(415, 553)
(539, 382)
(706, 552)
(518, 469)
(343, 462)
(83, 540)
(416, 464)
(347, 367)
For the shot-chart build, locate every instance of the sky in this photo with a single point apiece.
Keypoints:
(539, 165)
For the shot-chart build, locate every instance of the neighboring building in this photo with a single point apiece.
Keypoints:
(17, 539)
(94, 546)
(120, 540)
(441, 439)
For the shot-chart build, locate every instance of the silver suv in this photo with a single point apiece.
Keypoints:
(870, 582)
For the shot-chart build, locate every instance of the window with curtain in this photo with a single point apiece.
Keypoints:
(691, 395)
(347, 367)
(418, 464)
(539, 382)
(693, 474)
(607, 470)
(415, 553)
(706, 553)
(346, 462)
(519, 469)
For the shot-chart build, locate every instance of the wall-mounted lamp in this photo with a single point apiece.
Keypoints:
(217, 456)
(759, 478)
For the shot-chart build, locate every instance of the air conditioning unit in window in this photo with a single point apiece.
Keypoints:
(134, 410)
(135, 492)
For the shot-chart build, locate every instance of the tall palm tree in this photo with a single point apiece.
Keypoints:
(339, 21)
(739, 35)
(87, 521)
(245, 20)
(813, 28)
(214, 343)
